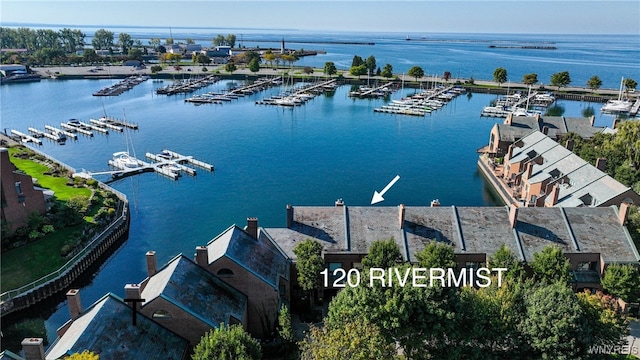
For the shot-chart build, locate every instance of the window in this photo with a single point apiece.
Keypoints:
(333, 266)
(18, 188)
(225, 272)
(162, 314)
(586, 266)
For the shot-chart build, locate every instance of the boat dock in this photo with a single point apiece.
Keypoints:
(122, 86)
(37, 133)
(368, 92)
(258, 85)
(94, 127)
(26, 138)
(66, 133)
(102, 124)
(635, 108)
(298, 96)
(118, 122)
(71, 127)
(167, 163)
(423, 103)
(187, 86)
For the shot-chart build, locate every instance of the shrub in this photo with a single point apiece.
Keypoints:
(48, 229)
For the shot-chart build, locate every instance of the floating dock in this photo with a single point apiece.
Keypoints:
(71, 127)
(103, 124)
(26, 138)
(39, 133)
(118, 122)
(66, 133)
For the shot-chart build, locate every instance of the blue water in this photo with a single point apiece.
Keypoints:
(266, 157)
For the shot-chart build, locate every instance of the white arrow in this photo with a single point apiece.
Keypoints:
(377, 196)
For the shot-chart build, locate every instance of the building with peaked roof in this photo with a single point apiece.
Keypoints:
(516, 127)
(19, 197)
(187, 299)
(252, 262)
(589, 237)
(106, 329)
(538, 171)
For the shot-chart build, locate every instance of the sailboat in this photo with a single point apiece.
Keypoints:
(619, 105)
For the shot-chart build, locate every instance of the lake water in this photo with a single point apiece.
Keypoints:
(266, 157)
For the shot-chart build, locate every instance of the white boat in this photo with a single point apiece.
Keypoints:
(618, 106)
(124, 161)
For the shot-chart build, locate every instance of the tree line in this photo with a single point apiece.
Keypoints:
(559, 79)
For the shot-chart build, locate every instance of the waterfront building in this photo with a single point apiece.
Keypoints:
(106, 328)
(516, 127)
(19, 196)
(251, 261)
(537, 171)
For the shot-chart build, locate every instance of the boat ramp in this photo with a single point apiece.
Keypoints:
(167, 163)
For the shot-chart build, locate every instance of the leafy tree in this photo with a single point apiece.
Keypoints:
(550, 266)
(330, 68)
(168, 41)
(135, 54)
(594, 83)
(629, 84)
(189, 41)
(227, 343)
(500, 75)
(387, 71)
(85, 355)
(290, 58)
(353, 341)
(218, 40)
(530, 79)
(505, 258)
(383, 254)
(370, 63)
(358, 70)
(74, 209)
(437, 255)
(254, 65)
(71, 40)
(90, 55)
(156, 68)
(628, 140)
(230, 67)
(288, 348)
(605, 326)
(309, 264)
(230, 40)
(622, 281)
(560, 79)
(155, 43)
(446, 76)
(202, 59)
(308, 70)
(125, 42)
(357, 61)
(102, 39)
(416, 72)
(554, 323)
(269, 57)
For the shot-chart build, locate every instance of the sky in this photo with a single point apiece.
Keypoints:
(417, 16)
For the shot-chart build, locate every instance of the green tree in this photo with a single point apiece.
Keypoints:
(627, 139)
(102, 40)
(288, 348)
(357, 61)
(387, 71)
(437, 255)
(622, 281)
(594, 83)
(156, 68)
(218, 40)
(353, 341)
(383, 254)
(125, 42)
(307, 70)
(74, 209)
(227, 343)
(505, 258)
(605, 325)
(202, 59)
(550, 265)
(530, 79)
(309, 264)
(370, 63)
(629, 84)
(554, 324)
(358, 70)
(155, 43)
(416, 72)
(168, 41)
(230, 40)
(71, 40)
(254, 65)
(135, 54)
(500, 75)
(330, 68)
(560, 79)
(189, 41)
(230, 67)
(446, 76)
(269, 57)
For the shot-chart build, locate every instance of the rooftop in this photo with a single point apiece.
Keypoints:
(107, 330)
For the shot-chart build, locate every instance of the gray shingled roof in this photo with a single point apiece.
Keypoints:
(195, 290)
(259, 256)
(106, 329)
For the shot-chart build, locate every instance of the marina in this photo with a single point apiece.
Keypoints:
(75, 126)
(68, 134)
(513, 104)
(299, 96)
(364, 91)
(423, 102)
(55, 137)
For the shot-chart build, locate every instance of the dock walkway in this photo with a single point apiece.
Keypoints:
(635, 108)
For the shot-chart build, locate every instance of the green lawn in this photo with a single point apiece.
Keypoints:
(37, 170)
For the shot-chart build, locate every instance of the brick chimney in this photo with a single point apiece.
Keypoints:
(545, 129)
(592, 120)
(509, 153)
(152, 263)
(75, 305)
(615, 123)
(401, 211)
(569, 144)
(132, 291)
(509, 119)
(513, 215)
(289, 216)
(623, 212)
(252, 227)
(601, 164)
(528, 171)
(553, 195)
(202, 256)
(539, 120)
(33, 348)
